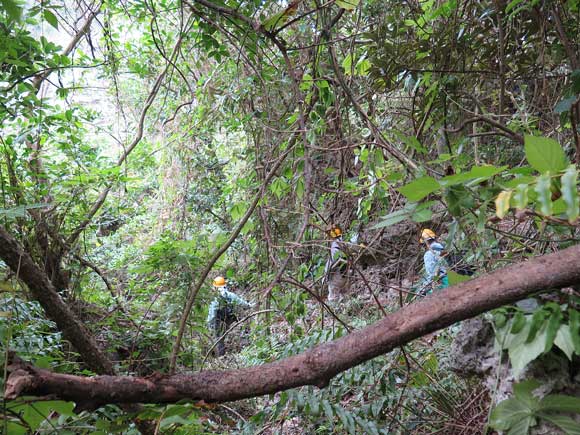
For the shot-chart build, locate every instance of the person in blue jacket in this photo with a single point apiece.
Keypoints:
(434, 262)
(222, 311)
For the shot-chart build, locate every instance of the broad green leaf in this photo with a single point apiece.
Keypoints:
(508, 413)
(564, 341)
(520, 196)
(299, 187)
(502, 203)
(478, 173)
(559, 206)
(570, 192)
(458, 198)
(522, 354)
(412, 142)
(552, 327)
(522, 427)
(523, 391)
(279, 187)
(419, 188)
(508, 340)
(13, 428)
(456, 278)
(567, 424)
(514, 182)
(238, 210)
(545, 154)
(62, 407)
(537, 323)
(422, 215)
(544, 194)
(413, 210)
(347, 64)
(349, 5)
(306, 82)
(518, 323)
(35, 413)
(363, 66)
(560, 403)
(50, 18)
(500, 319)
(20, 211)
(392, 219)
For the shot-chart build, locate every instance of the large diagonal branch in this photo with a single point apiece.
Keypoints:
(319, 364)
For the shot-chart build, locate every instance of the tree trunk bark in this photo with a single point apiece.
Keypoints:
(14, 255)
(319, 364)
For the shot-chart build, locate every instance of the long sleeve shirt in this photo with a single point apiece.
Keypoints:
(336, 255)
(435, 265)
(230, 298)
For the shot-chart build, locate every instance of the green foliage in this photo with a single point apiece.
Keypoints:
(456, 278)
(28, 332)
(13, 9)
(420, 188)
(545, 154)
(36, 415)
(570, 193)
(226, 110)
(414, 211)
(523, 411)
(527, 336)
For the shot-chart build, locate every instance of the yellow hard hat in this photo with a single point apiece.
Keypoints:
(427, 234)
(219, 281)
(335, 232)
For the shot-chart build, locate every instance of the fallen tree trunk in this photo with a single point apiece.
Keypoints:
(319, 364)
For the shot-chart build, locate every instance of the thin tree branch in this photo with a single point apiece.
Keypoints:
(37, 81)
(138, 136)
(516, 137)
(216, 256)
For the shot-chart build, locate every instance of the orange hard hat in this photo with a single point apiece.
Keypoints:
(427, 234)
(335, 232)
(219, 281)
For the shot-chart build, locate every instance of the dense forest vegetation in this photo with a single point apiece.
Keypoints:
(151, 147)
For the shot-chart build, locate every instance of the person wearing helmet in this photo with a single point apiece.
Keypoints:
(222, 311)
(434, 262)
(335, 265)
